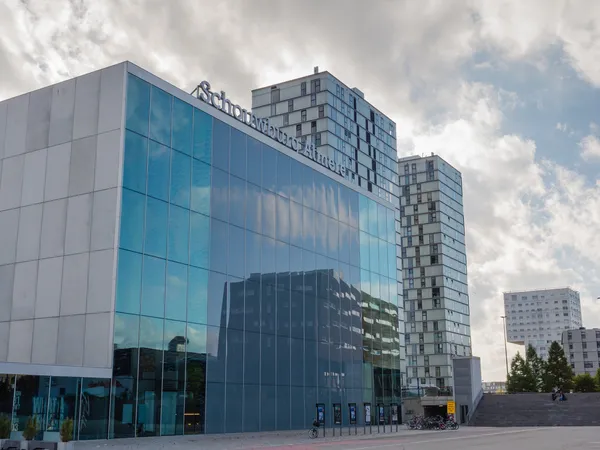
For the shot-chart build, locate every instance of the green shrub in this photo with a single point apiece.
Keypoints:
(4, 427)
(31, 429)
(66, 430)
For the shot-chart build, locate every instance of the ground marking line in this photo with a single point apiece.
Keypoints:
(450, 438)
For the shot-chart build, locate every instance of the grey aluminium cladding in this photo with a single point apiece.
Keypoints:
(308, 149)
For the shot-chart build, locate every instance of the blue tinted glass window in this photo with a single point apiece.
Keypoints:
(269, 168)
(344, 242)
(219, 195)
(308, 229)
(179, 231)
(268, 369)
(283, 219)
(321, 192)
(296, 266)
(221, 139)
(180, 179)
(203, 124)
(283, 175)
(237, 205)
(253, 248)
(283, 365)
(391, 226)
(381, 221)
(236, 252)
(196, 339)
(235, 366)
(392, 261)
(177, 277)
(153, 287)
(373, 230)
(343, 204)
(199, 240)
(308, 187)
(200, 200)
(375, 288)
(282, 257)
(132, 220)
(159, 168)
(217, 298)
(364, 213)
(218, 246)
(253, 208)
(353, 209)
(182, 126)
(320, 231)
(252, 357)
(197, 295)
(383, 258)
(374, 252)
(268, 256)
(135, 161)
(129, 282)
(354, 240)
(365, 250)
(269, 207)
(138, 105)
(157, 214)
(160, 116)
(254, 161)
(296, 180)
(332, 199)
(238, 154)
(296, 224)
(332, 237)
(252, 304)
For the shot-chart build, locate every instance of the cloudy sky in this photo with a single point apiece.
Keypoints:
(505, 90)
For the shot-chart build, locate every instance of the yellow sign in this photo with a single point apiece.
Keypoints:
(451, 408)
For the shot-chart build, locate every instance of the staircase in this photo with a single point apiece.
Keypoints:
(537, 410)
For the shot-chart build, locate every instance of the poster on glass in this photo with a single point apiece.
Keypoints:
(337, 413)
(321, 413)
(381, 410)
(394, 413)
(367, 413)
(352, 412)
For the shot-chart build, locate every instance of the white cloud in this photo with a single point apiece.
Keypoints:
(590, 147)
(521, 232)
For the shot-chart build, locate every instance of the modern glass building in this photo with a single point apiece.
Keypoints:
(167, 268)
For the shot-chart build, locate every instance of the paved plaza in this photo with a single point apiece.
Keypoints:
(556, 438)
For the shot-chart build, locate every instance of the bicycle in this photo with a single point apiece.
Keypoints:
(313, 433)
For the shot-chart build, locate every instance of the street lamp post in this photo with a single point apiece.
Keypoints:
(505, 349)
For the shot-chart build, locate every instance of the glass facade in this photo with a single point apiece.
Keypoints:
(51, 400)
(250, 286)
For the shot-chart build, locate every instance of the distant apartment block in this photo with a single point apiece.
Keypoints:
(539, 317)
(582, 348)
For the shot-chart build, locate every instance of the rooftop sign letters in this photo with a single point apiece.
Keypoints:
(308, 149)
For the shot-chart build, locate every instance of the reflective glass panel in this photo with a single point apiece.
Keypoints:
(160, 116)
(182, 126)
(197, 295)
(221, 139)
(254, 161)
(199, 240)
(203, 124)
(132, 221)
(150, 376)
(159, 167)
(269, 168)
(138, 105)
(238, 154)
(200, 195)
(177, 283)
(129, 282)
(173, 389)
(134, 164)
(157, 214)
(179, 230)
(153, 287)
(180, 179)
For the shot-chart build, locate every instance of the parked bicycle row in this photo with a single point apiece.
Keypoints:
(432, 423)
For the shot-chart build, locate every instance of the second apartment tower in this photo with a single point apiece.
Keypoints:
(436, 298)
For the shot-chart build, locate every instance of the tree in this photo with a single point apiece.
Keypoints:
(584, 383)
(536, 366)
(520, 378)
(597, 379)
(558, 372)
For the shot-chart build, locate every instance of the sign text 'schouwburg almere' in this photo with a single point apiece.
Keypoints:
(308, 149)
